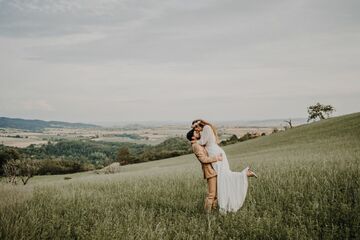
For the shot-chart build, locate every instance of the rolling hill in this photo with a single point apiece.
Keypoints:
(36, 125)
(308, 188)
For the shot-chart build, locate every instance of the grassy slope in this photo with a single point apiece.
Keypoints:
(308, 188)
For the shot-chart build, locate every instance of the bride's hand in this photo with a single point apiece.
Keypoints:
(219, 157)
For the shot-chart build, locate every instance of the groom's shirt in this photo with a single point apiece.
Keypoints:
(205, 160)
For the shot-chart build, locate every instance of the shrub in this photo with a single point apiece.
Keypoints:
(59, 166)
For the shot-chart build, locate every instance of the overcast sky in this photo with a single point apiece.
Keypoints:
(114, 60)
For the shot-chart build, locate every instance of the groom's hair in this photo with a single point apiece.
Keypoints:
(190, 134)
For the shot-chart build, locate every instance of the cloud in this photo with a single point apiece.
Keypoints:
(42, 18)
(32, 18)
(37, 105)
(240, 33)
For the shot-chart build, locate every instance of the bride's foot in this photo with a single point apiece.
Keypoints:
(251, 174)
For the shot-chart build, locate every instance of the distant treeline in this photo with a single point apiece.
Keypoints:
(234, 139)
(69, 156)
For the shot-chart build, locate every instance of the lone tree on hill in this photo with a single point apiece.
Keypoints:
(22, 168)
(7, 154)
(289, 122)
(320, 111)
(124, 157)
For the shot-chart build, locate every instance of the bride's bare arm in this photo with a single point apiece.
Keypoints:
(205, 135)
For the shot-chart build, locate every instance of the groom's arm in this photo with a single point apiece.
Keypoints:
(202, 155)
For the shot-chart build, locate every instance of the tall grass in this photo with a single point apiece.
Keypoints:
(308, 188)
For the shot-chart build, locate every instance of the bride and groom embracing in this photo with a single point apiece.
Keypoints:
(226, 189)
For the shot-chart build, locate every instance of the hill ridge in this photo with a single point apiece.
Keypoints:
(36, 124)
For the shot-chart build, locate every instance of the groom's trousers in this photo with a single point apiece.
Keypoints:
(211, 198)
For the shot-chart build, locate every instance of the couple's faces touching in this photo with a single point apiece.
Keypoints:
(196, 135)
(198, 129)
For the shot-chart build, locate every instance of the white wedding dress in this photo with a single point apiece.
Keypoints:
(231, 186)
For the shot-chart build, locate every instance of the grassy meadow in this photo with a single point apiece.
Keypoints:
(308, 188)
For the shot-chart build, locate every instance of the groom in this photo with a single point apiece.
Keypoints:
(209, 173)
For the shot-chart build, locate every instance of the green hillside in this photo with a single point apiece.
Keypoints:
(308, 188)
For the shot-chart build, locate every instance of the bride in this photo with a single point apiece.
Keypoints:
(231, 186)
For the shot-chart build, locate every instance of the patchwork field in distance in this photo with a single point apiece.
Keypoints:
(308, 188)
(140, 135)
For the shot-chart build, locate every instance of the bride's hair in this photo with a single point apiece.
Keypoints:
(201, 123)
